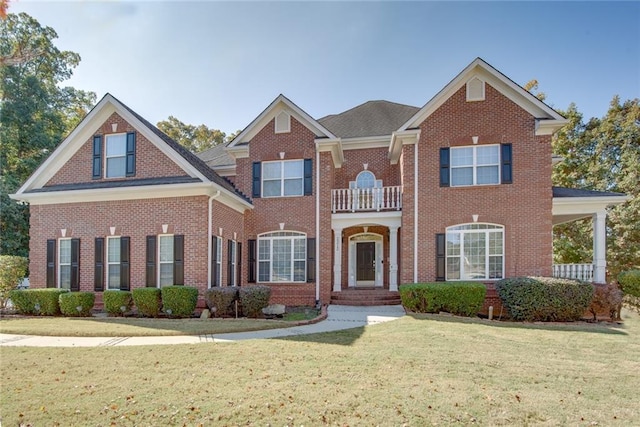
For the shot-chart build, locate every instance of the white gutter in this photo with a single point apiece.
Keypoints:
(415, 215)
(317, 226)
(210, 230)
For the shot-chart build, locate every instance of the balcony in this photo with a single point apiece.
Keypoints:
(582, 272)
(366, 199)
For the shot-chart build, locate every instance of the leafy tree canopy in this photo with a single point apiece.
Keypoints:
(194, 138)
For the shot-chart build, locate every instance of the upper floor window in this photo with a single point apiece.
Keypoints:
(282, 178)
(366, 179)
(476, 165)
(475, 252)
(119, 153)
(116, 156)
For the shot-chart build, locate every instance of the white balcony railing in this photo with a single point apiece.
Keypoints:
(582, 272)
(366, 199)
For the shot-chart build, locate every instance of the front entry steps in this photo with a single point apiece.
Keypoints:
(365, 297)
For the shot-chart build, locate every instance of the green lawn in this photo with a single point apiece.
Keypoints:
(421, 370)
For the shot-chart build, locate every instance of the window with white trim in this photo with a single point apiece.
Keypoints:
(475, 165)
(116, 156)
(218, 279)
(113, 262)
(475, 252)
(64, 263)
(233, 247)
(283, 178)
(282, 257)
(165, 260)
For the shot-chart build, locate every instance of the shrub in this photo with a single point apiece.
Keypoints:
(179, 301)
(630, 282)
(607, 298)
(148, 301)
(220, 301)
(459, 298)
(12, 270)
(253, 299)
(117, 303)
(76, 304)
(545, 299)
(37, 301)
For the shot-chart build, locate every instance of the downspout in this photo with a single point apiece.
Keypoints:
(210, 230)
(415, 214)
(317, 228)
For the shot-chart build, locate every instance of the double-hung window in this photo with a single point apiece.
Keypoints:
(116, 156)
(64, 263)
(113, 262)
(283, 178)
(476, 165)
(475, 252)
(282, 257)
(165, 260)
(232, 253)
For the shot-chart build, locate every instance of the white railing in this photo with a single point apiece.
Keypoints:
(366, 199)
(582, 272)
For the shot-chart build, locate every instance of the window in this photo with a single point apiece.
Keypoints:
(282, 257)
(217, 261)
(232, 260)
(282, 178)
(475, 165)
(116, 156)
(165, 260)
(113, 262)
(475, 252)
(64, 263)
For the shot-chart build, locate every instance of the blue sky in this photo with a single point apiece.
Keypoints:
(222, 63)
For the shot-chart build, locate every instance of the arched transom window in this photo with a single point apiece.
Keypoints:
(366, 179)
(475, 252)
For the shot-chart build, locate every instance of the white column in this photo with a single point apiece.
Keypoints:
(599, 247)
(393, 259)
(337, 259)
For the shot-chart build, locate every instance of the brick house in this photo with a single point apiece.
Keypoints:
(356, 202)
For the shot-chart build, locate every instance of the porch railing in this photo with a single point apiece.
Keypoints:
(574, 271)
(366, 199)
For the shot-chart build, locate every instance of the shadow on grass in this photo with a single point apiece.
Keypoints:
(581, 326)
(345, 337)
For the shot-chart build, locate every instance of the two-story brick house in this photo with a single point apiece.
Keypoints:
(376, 196)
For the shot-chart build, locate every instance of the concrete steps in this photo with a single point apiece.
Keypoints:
(365, 297)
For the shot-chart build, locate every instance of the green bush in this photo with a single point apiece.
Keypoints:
(77, 304)
(12, 270)
(459, 298)
(117, 303)
(37, 301)
(148, 301)
(545, 299)
(221, 301)
(630, 282)
(179, 301)
(253, 299)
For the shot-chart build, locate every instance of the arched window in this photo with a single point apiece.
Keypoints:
(475, 252)
(282, 257)
(366, 179)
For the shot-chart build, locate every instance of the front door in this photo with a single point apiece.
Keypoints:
(365, 263)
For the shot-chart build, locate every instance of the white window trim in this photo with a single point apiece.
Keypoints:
(234, 261)
(270, 237)
(160, 262)
(59, 264)
(110, 263)
(106, 157)
(497, 227)
(281, 179)
(475, 165)
(219, 260)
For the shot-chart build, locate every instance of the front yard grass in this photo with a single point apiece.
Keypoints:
(419, 370)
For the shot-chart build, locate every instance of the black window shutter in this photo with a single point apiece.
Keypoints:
(151, 272)
(311, 260)
(178, 259)
(441, 258)
(238, 263)
(257, 171)
(507, 165)
(97, 157)
(229, 265)
(214, 261)
(308, 177)
(98, 269)
(444, 167)
(131, 154)
(125, 264)
(251, 255)
(51, 263)
(75, 265)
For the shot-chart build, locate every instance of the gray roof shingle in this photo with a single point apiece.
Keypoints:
(577, 192)
(216, 156)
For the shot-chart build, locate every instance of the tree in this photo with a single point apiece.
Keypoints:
(532, 85)
(35, 114)
(604, 155)
(193, 138)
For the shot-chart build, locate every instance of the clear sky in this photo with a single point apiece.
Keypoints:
(222, 63)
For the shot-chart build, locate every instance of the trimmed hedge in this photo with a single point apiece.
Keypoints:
(148, 301)
(76, 304)
(546, 299)
(117, 303)
(221, 301)
(43, 302)
(459, 298)
(253, 299)
(630, 282)
(179, 301)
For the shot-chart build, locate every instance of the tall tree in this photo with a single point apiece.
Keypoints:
(194, 138)
(35, 114)
(604, 155)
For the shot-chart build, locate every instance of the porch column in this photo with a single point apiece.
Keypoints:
(599, 247)
(393, 259)
(337, 259)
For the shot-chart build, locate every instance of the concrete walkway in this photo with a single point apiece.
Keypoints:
(338, 318)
